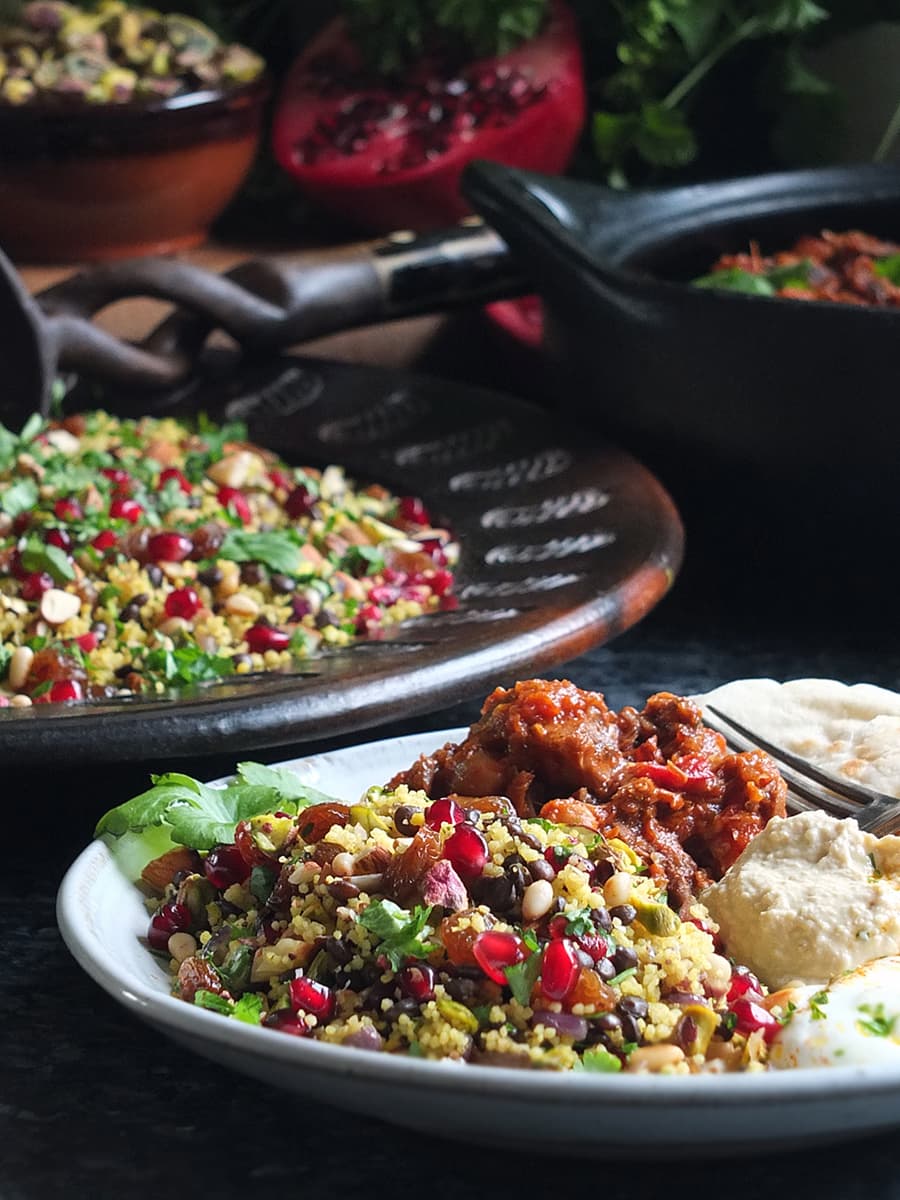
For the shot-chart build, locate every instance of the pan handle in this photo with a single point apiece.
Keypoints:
(274, 303)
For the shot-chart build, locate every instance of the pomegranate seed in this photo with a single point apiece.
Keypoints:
(300, 502)
(171, 918)
(311, 997)
(412, 509)
(127, 510)
(121, 480)
(58, 538)
(15, 566)
(235, 501)
(494, 951)
(743, 983)
(261, 638)
(68, 510)
(183, 602)
(444, 812)
(87, 642)
(285, 1022)
(178, 476)
(557, 926)
(279, 480)
(392, 575)
(417, 982)
(593, 944)
(35, 584)
(559, 969)
(65, 689)
(169, 547)
(752, 1016)
(225, 865)
(106, 539)
(466, 851)
(441, 582)
(384, 594)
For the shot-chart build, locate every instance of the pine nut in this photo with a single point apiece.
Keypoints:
(173, 625)
(20, 701)
(19, 666)
(537, 899)
(182, 946)
(617, 889)
(233, 470)
(230, 581)
(58, 606)
(241, 605)
(343, 864)
(654, 1058)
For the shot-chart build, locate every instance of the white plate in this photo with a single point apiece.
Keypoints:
(101, 916)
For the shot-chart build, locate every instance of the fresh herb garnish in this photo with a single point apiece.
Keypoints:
(186, 664)
(262, 880)
(816, 1005)
(19, 497)
(733, 279)
(249, 1008)
(401, 934)
(598, 1058)
(193, 813)
(876, 1022)
(626, 974)
(285, 781)
(277, 549)
(888, 268)
(38, 556)
(522, 977)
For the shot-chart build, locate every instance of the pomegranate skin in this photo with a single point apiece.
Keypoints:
(385, 183)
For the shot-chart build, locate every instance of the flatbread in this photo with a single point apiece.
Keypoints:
(852, 730)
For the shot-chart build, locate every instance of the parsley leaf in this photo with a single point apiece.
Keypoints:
(735, 280)
(249, 1008)
(19, 497)
(598, 1058)
(186, 664)
(285, 781)
(276, 549)
(816, 1003)
(522, 976)
(401, 934)
(196, 815)
(38, 556)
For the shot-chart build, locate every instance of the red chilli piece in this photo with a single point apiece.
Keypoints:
(234, 500)
(179, 477)
(125, 509)
(495, 951)
(183, 602)
(169, 547)
(444, 812)
(311, 997)
(261, 638)
(560, 969)
(466, 851)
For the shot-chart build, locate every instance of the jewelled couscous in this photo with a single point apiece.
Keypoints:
(138, 556)
(525, 898)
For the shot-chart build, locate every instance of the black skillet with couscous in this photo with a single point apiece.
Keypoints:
(140, 556)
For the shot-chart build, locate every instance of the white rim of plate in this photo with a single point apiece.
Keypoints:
(799, 1085)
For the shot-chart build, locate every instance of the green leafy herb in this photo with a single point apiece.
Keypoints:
(816, 1006)
(277, 549)
(193, 813)
(877, 1022)
(19, 497)
(888, 268)
(580, 923)
(733, 279)
(249, 1008)
(791, 275)
(38, 556)
(626, 974)
(788, 1016)
(542, 821)
(522, 976)
(598, 1058)
(262, 880)
(213, 1001)
(285, 781)
(401, 934)
(186, 664)
(32, 427)
(363, 560)
(235, 970)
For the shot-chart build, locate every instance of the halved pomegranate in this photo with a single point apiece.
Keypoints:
(386, 154)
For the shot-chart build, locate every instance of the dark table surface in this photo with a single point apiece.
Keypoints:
(92, 1103)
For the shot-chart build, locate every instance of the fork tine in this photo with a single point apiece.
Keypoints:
(811, 789)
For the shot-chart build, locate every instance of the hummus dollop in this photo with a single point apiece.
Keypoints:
(811, 896)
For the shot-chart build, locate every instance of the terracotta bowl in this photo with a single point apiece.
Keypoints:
(108, 182)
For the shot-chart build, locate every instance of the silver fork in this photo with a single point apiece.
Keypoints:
(810, 787)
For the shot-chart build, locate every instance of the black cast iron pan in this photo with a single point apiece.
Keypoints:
(714, 377)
